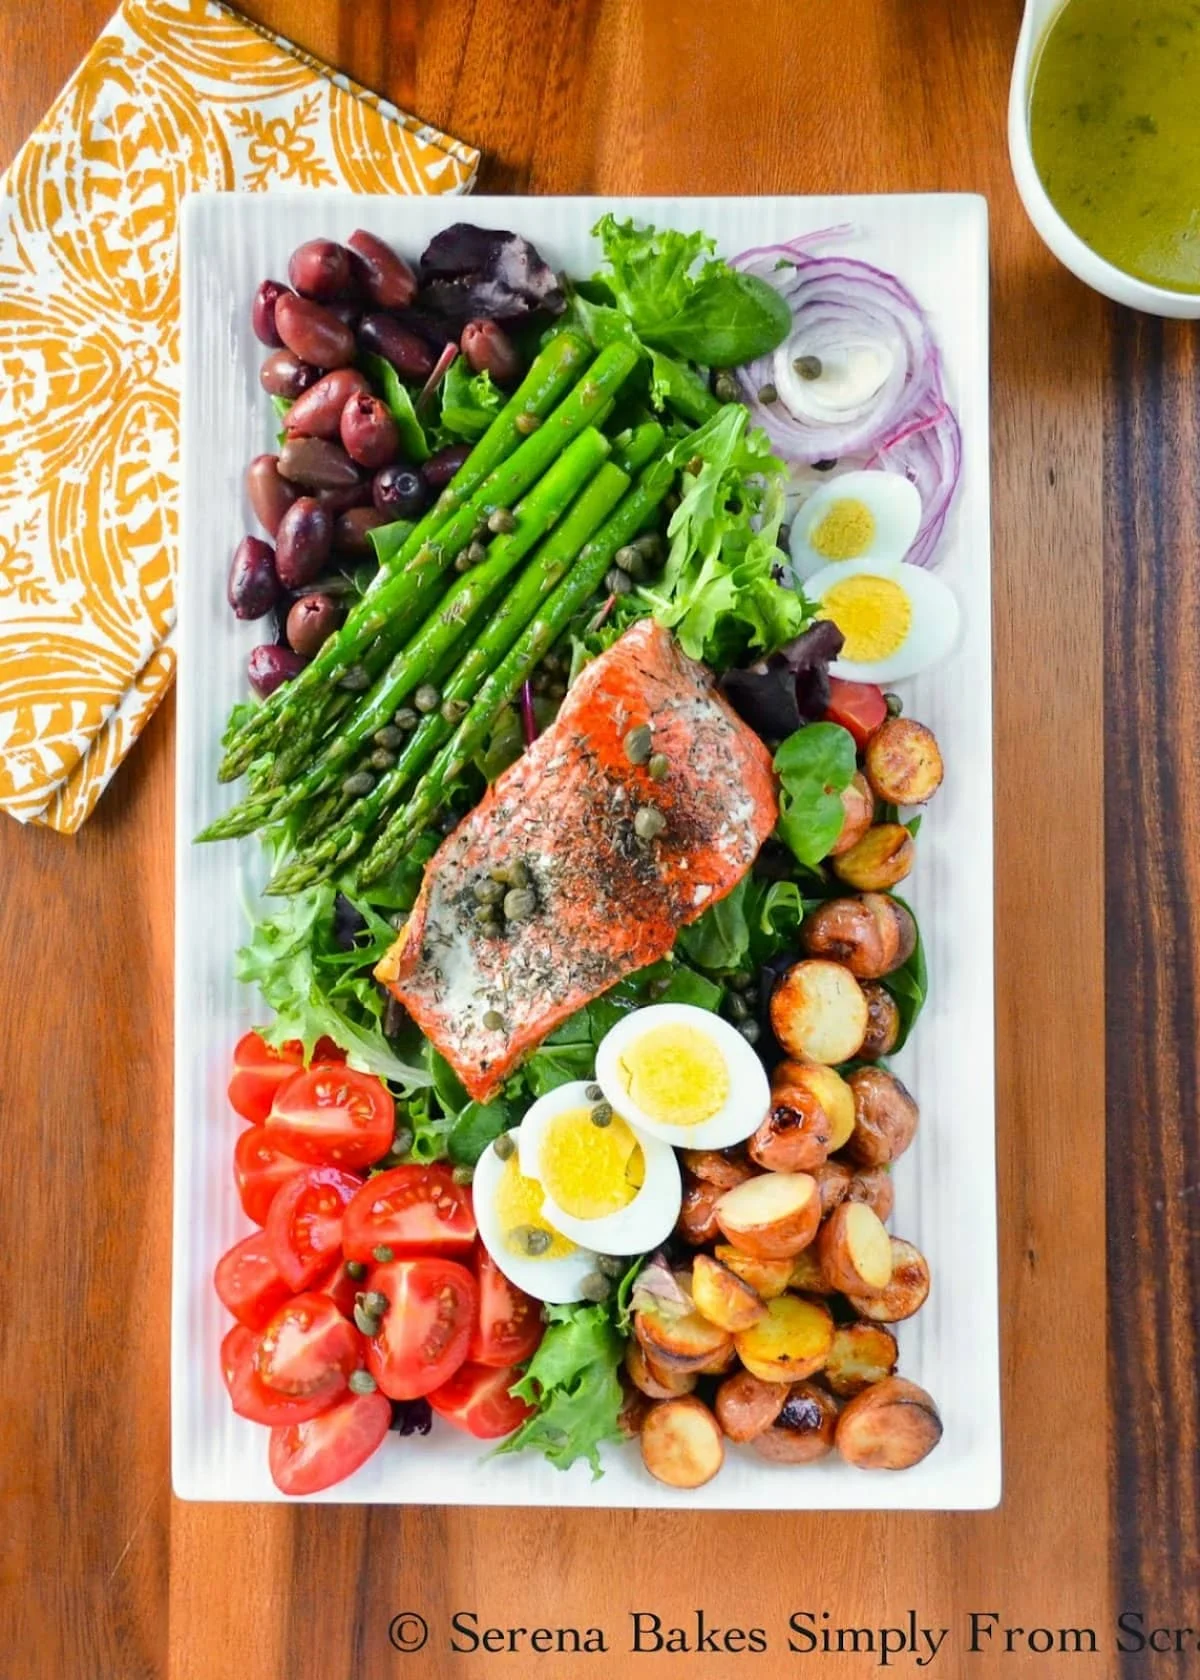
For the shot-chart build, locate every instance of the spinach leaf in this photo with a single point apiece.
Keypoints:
(386, 382)
(478, 1125)
(470, 401)
(719, 941)
(909, 985)
(814, 766)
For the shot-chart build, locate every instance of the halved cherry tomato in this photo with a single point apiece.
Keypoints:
(304, 1225)
(477, 1399)
(307, 1346)
(333, 1116)
(509, 1325)
(253, 1399)
(249, 1282)
(858, 707)
(306, 1457)
(260, 1167)
(341, 1289)
(423, 1339)
(411, 1210)
(258, 1072)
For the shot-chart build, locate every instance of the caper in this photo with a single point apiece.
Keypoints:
(463, 1174)
(502, 875)
(487, 892)
(617, 583)
(389, 737)
(649, 546)
(894, 704)
(362, 1382)
(671, 501)
(751, 996)
(519, 904)
(359, 783)
(767, 393)
(808, 367)
(476, 552)
(383, 1252)
(356, 1270)
(453, 711)
(493, 1020)
(501, 521)
(649, 823)
(486, 919)
(659, 767)
(627, 557)
(526, 423)
(612, 1265)
(356, 678)
(695, 466)
(403, 1140)
(593, 1093)
(595, 1287)
(725, 386)
(480, 530)
(463, 561)
(427, 698)
(638, 744)
(518, 873)
(505, 1146)
(602, 1114)
(382, 760)
(739, 1009)
(405, 718)
(531, 1239)
(557, 691)
(740, 979)
(366, 1322)
(750, 1031)
(397, 919)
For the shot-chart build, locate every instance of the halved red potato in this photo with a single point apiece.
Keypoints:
(795, 1135)
(904, 762)
(679, 1342)
(716, 1166)
(834, 1179)
(681, 1443)
(634, 1410)
(862, 1354)
(855, 1250)
(907, 1289)
(890, 1426)
(722, 1297)
(818, 1011)
(767, 1278)
(858, 813)
(745, 1405)
(772, 1216)
(807, 1276)
(697, 1222)
(874, 1186)
(883, 1022)
(885, 1117)
(863, 933)
(789, 1343)
(879, 861)
(719, 1363)
(805, 1428)
(656, 1382)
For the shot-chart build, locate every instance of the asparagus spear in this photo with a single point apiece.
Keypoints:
(407, 592)
(527, 652)
(550, 377)
(552, 561)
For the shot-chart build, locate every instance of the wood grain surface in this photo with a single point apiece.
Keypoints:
(104, 1576)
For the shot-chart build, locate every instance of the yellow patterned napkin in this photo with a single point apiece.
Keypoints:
(175, 95)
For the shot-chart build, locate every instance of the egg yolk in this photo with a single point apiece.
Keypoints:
(589, 1170)
(846, 531)
(676, 1074)
(873, 613)
(519, 1207)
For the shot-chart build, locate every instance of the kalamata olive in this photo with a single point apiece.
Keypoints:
(262, 313)
(441, 468)
(407, 351)
(283, 374)
(316, 464)
(303, 543)
(369, 434)
(350, 529)
(319, 269)
(347, 310)
(399, 492)
(489, 349)
(270, 665)
(385, 277)
(318, 413)
(313, 333)
(311, 622)
(253, 582)
(339, 501)
(269, 495)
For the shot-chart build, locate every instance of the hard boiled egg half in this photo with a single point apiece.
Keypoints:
(896, 619)
(510, 1214)
(857, 516)
(683, 1075)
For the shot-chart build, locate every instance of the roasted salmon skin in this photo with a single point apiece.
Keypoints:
(608, 893)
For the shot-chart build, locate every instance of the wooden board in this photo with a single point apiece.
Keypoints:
(104, 1576)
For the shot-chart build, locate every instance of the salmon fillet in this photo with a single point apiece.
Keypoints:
(608, 902)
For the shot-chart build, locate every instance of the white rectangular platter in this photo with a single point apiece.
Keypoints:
(945, 1185)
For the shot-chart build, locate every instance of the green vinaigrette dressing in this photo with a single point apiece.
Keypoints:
(1115, 131)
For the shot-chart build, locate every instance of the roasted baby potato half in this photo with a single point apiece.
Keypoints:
(807, 1276)
(678, 1341)
(767, 1278)
(855, 1250)
(805, 1429)
(771, 1217)
(885, 1117)
(903, 762)
(861, 1354)
(795, 1136)
(697, 1222)
(907, 1289)
(872, 1185)
(745, 1405)
(656, 1382)
(883, 1022)
(681, 1443)
(890, 1426)
(722, 1297)
(863, 933)
(879, 861)
(858, 807)
(830, 1090)
(818, 1012)
(789, 1343)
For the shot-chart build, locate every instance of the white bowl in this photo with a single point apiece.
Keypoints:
(1066, 244)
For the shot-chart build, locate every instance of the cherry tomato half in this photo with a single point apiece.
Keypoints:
(509, 1326)
(333, 1116)
(304, 1225)
(308, 1346)
(249, 1282)
(341, 1288)
(858, 707)
(307, 1457)
(477, 1399)
(411, 1210)
(253, 1399)
(258, 1072)
(426, 1330)
(260, 1167)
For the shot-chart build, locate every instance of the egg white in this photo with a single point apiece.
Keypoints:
(642, 1223)
(744, 1108)
(895, 505)
(554, 1280)
(931, 635)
